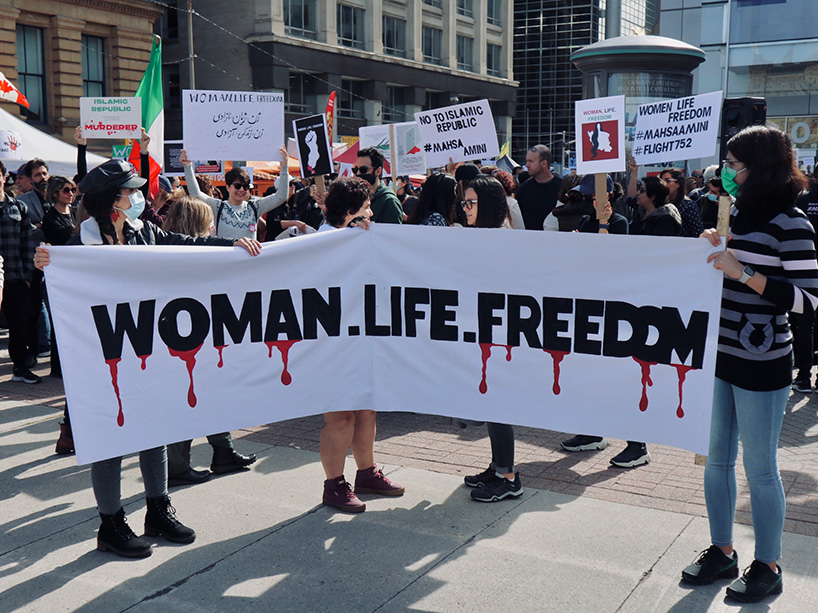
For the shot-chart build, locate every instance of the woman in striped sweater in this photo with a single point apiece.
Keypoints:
(769, 268)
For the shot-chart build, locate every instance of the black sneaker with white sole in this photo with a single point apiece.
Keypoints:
(25, 376)
(479, 480)
(583, 442)
(635, 454)
(802, 385)
(498, 488)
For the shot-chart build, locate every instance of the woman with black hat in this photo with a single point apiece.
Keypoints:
(113, 202)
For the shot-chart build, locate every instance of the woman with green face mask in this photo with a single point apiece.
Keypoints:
(769, 269)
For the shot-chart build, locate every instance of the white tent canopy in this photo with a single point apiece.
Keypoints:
(31, 142)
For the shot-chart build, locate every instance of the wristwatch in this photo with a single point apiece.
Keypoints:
(748, 272)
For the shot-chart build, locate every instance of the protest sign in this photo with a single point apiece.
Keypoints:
(314, 152)
(600, 134)
(409, 157)
(378, 137)
(679, 129)
(173, 167)
(461, 132)
(10, 145)
(225, 125)
(173, 335)
(111, 117)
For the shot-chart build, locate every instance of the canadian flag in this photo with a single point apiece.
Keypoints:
(9, 92)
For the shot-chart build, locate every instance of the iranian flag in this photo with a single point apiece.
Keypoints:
(9, 92)
(153, 115)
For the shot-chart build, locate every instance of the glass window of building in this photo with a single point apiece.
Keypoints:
(31, 71)
(493, 60)
(756, 21)
(465, 8)
(300, 97)
(432, 45)
(393, 107)
(170, 21)
(494, 12)
(351, 100)
(437, 3)
(465, 53)
(93, 66)
(351, 26)
(173, 86)
(394, 36)
(299, 18)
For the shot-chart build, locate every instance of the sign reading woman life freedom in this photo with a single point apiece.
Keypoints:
(174, 335)
(600, 134)
(225, 125)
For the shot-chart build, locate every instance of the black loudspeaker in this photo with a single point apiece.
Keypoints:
(737, 114)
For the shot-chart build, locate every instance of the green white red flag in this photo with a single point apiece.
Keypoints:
(153, 115)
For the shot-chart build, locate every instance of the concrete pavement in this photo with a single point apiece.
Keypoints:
(583, 536)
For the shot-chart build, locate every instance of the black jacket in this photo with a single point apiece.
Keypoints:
(143, 233)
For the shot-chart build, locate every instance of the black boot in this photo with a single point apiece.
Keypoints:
(228, 460)
(116, 535)
(161, 520)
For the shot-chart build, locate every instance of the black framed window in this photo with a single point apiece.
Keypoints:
(432, 45)
(300, 96)
(93, 66)
(394, 36)
(393, 108)
(351, 99)
(351, 26)
(493, 60)
(299, 18)
(465, 8)
(465, 53)
(435, 3)
(494, 12)
(31, 71)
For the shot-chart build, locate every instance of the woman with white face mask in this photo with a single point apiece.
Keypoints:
(113, 202)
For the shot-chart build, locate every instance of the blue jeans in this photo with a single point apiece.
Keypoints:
(757, 418)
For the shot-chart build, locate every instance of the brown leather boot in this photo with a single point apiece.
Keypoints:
(65, 444)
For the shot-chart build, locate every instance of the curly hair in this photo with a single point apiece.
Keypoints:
(492, 206)
(773, 180)
(506, 180)
(189, 215)
(345, 197)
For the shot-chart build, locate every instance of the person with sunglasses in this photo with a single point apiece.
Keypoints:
(238, 216)
(386, 208)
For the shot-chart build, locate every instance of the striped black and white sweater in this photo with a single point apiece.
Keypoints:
(755, 343)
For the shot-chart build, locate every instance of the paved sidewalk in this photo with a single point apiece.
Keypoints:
(584, 535)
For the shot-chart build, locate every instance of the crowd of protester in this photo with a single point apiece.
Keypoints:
(112, 205)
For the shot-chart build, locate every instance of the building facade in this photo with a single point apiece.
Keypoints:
(385, 59)
(757, 49)
(58, 51)
(546, 33)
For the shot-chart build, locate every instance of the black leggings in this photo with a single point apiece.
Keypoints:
(502, 447)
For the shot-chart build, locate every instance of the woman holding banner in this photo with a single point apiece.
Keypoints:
(769, 269)
(347, 205)
(113, 202)
(485, 206)
(238, 216)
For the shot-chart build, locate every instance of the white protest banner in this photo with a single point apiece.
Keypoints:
(461, 132)
(171, 343)
(378, 137)
(10, 145)
(679, 129)
(600, 133)
(225, 125)
(409, 157)
(314, 151)
(111, 117)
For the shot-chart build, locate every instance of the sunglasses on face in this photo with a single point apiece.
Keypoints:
(363, 170)
(468, 205)
(237, 186)
(69, 190)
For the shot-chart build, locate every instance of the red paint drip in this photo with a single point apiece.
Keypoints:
(646, 380)
(144, 359)
(221, 357)
(283, 348)
(189, 358)
(485, 351)
(682, 371)
(557, 357)
(114, 368)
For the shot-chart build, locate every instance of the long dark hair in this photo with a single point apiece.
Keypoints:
(100, 205)
(678, 175)
(492, 206)
(437, 196)
(773, 180)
